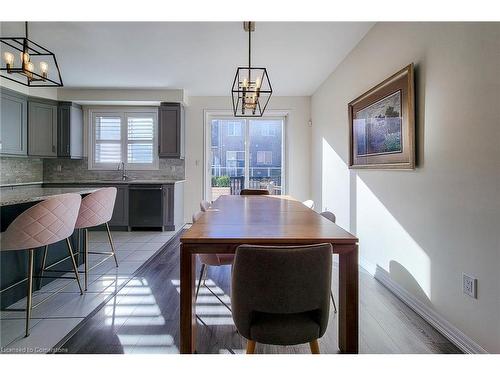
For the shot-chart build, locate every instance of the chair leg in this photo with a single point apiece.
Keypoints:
(333, 300)
(29, 292)
(44, 261)
(202, 271)
(75, 267)
(314, 345)
(251, 347)
(111, 243)
(78, 248)
(86, 249)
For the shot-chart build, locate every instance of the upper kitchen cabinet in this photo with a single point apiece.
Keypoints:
(69, 131)
(171, 131)
(42, 128)
(13, 123)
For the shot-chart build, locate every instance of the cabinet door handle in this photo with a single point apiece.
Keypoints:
(53, 148)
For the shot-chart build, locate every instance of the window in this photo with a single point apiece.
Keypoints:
(123, 135)
(248, 161)
(265, 157)
(233, 129)
(268, 130)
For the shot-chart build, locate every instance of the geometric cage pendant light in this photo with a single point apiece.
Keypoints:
(251, 89)
(28, 63)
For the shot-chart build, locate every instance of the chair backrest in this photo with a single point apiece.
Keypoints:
(97, 208)
(196, 216)
(270, 187)
(45, 223)
(309, 203)
(281, 280)
(254, 192)
(329, 215)
(204, 205)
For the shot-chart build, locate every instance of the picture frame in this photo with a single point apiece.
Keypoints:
(382, 124)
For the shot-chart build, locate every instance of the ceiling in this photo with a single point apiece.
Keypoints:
(200, 57)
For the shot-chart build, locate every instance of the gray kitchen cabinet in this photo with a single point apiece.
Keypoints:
(120, 212)
(171, 130)
(13, 123)
(42, 128)
(69, 131)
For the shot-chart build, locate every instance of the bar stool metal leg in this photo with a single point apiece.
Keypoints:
(44, 261)
(29, 292)
(111, 243)
(86, 249)
(75, 268)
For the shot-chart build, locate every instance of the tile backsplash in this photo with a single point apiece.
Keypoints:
(71, 170)
(20, 170)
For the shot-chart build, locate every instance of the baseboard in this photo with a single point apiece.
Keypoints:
(436, 320)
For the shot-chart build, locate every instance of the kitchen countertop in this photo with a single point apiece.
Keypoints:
(35, 194)
(114, 182)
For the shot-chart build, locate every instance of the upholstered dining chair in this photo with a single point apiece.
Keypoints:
(330, 216)
(97, 209)
(309, 203)
(204, 205)
(47, 222)
(254, 192)
(279, 295)
(208, 260)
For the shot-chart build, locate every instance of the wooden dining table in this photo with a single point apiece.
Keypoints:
(267, 220)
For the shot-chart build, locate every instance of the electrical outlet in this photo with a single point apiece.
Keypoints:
(469, 285)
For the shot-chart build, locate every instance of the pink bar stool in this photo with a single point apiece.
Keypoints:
(45, 223)
(211, 260)
(97, 209)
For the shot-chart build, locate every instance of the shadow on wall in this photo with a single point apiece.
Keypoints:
(402, 276)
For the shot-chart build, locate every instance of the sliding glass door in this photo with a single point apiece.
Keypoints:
(244, 153)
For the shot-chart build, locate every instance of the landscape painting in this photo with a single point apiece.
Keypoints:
(377, 128)
(382, 124)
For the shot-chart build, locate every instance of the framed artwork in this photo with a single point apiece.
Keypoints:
(382, 125)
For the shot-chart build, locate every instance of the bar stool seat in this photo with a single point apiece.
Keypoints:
(45, 223)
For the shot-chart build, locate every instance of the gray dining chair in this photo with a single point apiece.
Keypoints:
(204, 205)
(309, 203)
(254, 192)
(210, 260)
(280, 295)
(330, 216)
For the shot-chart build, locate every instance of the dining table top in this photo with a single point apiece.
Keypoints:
(266, 219)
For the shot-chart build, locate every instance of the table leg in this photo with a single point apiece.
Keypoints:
(348, 301)
(188, 306)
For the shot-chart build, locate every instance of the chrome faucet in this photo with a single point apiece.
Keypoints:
(124, 172)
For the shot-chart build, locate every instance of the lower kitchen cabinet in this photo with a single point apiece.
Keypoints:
(120, 212)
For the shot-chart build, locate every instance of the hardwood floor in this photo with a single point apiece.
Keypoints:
(143, 317)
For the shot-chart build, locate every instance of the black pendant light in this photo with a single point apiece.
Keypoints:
(251, 86)
(28, 63)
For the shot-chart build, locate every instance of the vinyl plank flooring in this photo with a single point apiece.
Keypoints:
(144, 318)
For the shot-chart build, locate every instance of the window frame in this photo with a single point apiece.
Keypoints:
(124, 113)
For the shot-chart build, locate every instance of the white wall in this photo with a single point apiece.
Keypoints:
(424, 227)
(297, 135)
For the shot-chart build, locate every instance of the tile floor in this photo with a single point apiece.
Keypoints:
(56, 317)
